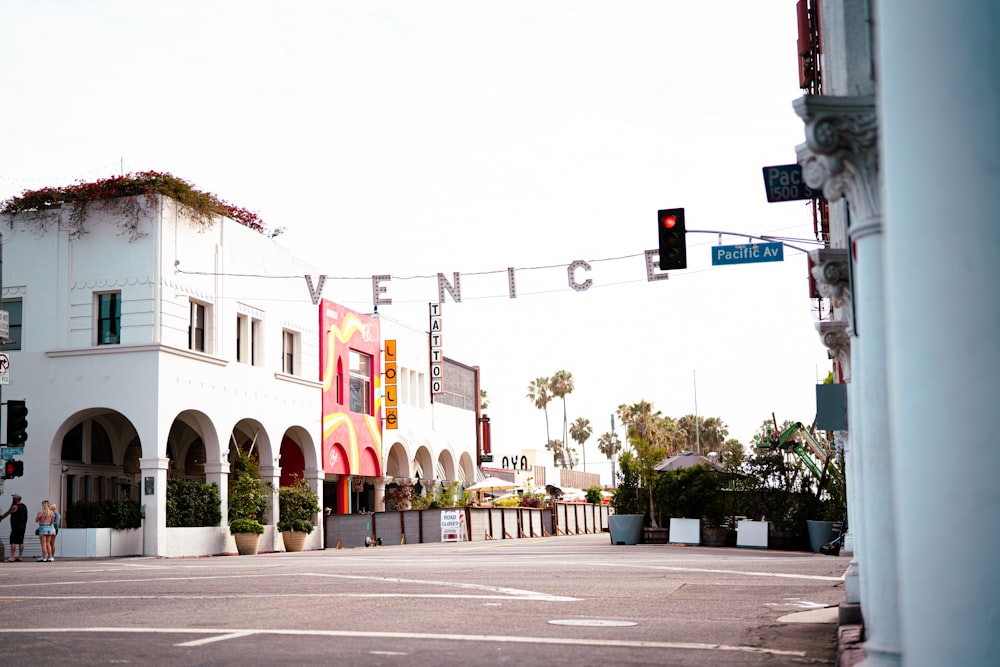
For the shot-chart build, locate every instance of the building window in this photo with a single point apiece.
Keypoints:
(196, 327)
(109, 318)
(247, 330)
(340, 381)
(13, 308)
(289, 352)
(361, 383)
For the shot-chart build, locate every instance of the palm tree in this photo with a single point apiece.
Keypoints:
(703, 434)
(538, 393)
(561, 384)
(558, 452)
(581, 432)
(608, 445)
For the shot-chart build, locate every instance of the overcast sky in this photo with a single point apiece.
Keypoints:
(412, 138)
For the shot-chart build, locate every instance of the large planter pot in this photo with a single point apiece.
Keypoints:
(626, 528)
(716, 536)
(820, 533)
(294, 540)
(247, 543)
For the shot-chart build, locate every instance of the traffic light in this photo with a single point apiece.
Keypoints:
(12, 469)
(17, 423)
(673, 244)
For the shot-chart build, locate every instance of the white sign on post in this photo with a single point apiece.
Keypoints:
(4, 324)
(452, 525)
(4, 368)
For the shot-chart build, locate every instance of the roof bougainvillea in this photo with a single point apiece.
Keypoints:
(118, 194)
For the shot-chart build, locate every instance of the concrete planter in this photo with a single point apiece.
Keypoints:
(294, 540)
(685, 531)
(820, 533)
(98, 542)
(626, 528)
(247, 543)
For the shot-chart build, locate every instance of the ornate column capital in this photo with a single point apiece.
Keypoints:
(832, 275)
(840, 155)
(837, 340)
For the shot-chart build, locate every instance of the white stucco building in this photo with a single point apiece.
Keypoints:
(147, 345)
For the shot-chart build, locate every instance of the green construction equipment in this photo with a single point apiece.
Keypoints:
(818, 461)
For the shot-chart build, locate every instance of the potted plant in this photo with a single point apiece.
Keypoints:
(297, 504)
(400, 496)
(625, 525)
(248, 501)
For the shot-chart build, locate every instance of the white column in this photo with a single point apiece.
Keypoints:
(154, 505)
(879, 576)
(939, 100)
(218, 474)
(272, 475)
(840, 156)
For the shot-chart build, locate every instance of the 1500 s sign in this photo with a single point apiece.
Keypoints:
(784, 182)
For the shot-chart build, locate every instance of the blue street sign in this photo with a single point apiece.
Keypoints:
(751, 253)
(10, 452)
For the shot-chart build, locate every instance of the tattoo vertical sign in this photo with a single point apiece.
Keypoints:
(437, 355)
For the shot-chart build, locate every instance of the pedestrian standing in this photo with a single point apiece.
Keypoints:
(56, 520)
(18, 514)
(46, 531)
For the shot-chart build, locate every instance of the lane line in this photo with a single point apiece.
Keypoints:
(229, 633)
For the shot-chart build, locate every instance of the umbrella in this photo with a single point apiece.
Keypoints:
(493, 484)
(684, 460)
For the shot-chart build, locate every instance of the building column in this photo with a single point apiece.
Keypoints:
(380, 483)
(272, 475)
(153, 487)
(840, 156)
(314, 478)
(940, 117)
(218, 474)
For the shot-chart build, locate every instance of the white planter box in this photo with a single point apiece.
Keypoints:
(685, 531)
(98, 542)
(751, 534)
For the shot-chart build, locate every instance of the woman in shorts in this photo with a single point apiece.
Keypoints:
(46, 532)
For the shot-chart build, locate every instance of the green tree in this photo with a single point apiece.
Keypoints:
(703, 434)
(561, 385)
(538, 394)
(581, 431)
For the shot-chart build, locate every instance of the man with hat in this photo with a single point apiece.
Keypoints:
(18, 522)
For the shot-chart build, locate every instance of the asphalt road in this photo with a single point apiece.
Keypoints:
(575, 600)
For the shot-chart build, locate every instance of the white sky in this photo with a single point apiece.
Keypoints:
(411, 138)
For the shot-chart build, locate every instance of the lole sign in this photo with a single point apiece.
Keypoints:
(785, 183)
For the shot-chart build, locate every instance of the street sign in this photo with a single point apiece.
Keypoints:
(4, 368)
(4, 325)
(750, 253)
(784, 182)
(11, 452)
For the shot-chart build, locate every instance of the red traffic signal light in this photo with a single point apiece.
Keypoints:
(672, 235)
(12, 469)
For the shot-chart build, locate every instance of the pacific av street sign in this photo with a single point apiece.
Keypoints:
(749, 253)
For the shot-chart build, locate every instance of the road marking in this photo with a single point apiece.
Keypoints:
(488, 592)
(210, 640)
(592, 623)
(230, 633)
(778, 575)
